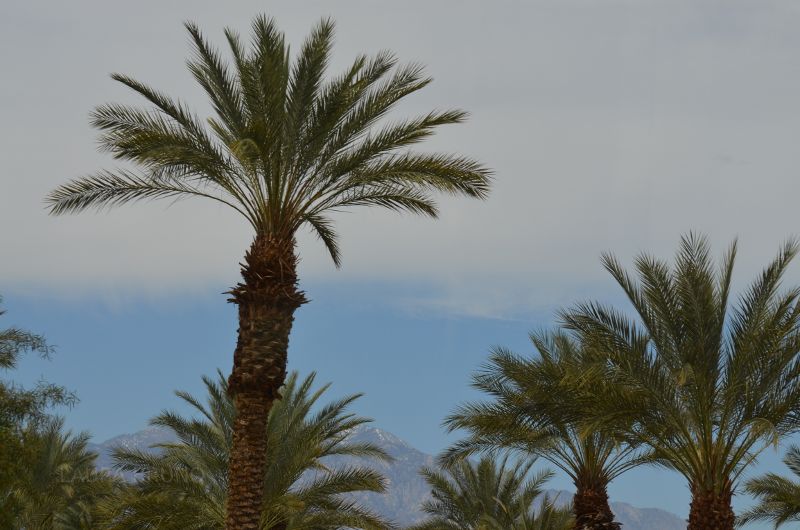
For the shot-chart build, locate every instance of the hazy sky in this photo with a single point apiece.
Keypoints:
(610, 125)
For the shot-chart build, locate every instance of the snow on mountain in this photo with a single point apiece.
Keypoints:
(406, 489)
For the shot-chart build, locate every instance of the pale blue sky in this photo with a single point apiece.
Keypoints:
(611, 125)
(125, 360)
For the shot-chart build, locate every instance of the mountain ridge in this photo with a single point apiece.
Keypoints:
(406, 489)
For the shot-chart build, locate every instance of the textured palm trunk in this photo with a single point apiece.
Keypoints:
(711, 510)
(267, 298)
(591, 509)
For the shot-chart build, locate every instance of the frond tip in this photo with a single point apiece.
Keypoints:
(107, 189)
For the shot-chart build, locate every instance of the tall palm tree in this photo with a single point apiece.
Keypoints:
(779, 497)
(706, 386)
(60, 489)
(530, 411)
(490, 495)
(184, 485)
(285, 148)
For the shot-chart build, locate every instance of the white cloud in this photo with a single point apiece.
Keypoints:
(610, 125)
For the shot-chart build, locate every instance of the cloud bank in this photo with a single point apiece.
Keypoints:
(610, 125)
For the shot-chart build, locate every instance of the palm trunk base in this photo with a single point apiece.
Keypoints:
(711, 511)
(592, 511)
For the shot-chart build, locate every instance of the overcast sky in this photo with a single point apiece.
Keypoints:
(610, 125)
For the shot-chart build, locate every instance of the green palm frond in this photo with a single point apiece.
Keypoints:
(286, 145)
(490, 494)
(60, 489)
(184, 483)
(706, 383)
(533, 409)
(779, 497)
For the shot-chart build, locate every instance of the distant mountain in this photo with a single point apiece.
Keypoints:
(141, 440)
(406, 489)
(633, 518)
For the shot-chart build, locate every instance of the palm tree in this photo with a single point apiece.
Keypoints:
(286, 148)
(531, 412)
(705, 386)
(779, 497)
(60, 489)
(23, 416)
(184, 484)
(489, 495)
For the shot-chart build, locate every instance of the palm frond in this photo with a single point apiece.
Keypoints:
(184, 484)
(286, 143)
(705, 385)
(493, 492)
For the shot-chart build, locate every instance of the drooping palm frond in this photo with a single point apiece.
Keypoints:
(488, 495)
(778, 497)
(707, 386)
(286, 146)
(183, 485)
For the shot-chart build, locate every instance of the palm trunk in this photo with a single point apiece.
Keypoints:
(592, 512)
(711, 510)
(267, 299)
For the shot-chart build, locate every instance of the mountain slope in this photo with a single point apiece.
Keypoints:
(406, 490)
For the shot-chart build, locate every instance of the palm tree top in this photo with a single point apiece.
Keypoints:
(286, 145)
(710, 382)
(532, 409)
(485, 494)
(184, 483)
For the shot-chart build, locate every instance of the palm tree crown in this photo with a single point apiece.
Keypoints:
(489, 495)
(532, 411)
(60, 488)
(706, 386)
(184, 484)
(285, 147)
